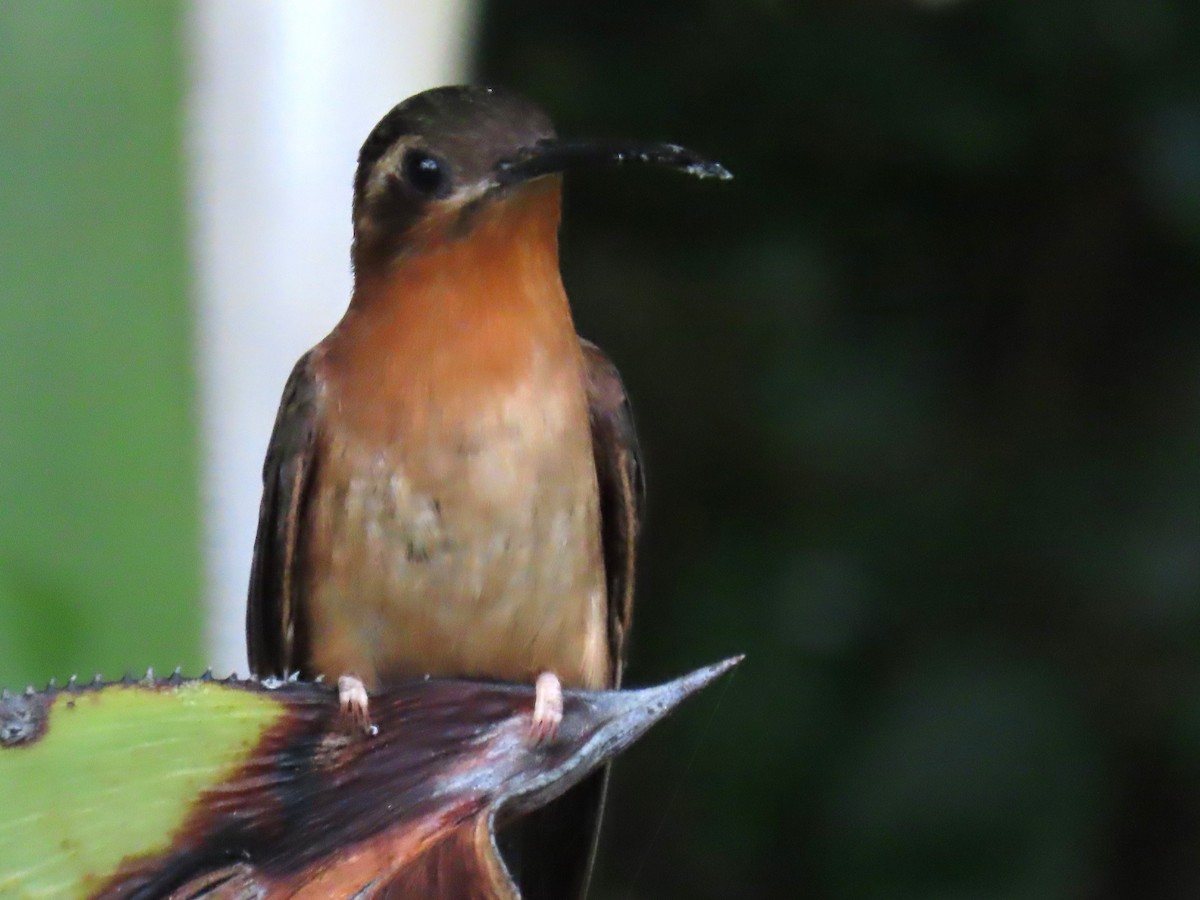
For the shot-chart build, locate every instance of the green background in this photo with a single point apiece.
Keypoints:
(919, 394)
(99, 496)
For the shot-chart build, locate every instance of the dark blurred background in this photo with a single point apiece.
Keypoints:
(919, 395)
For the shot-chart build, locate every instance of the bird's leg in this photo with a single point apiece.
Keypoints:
(547, 708)
(352, 697)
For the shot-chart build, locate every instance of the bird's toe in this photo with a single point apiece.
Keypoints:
(355, 705)
(547, 709)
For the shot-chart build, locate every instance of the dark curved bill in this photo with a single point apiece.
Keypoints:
(550, 156)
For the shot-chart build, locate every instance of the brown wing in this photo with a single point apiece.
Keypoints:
(275, 625)
(622, 492)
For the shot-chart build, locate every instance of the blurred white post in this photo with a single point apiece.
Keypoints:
(283, 92)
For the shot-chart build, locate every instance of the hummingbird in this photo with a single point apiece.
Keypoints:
(453, 485)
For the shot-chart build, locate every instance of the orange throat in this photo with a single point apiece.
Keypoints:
(458, 314)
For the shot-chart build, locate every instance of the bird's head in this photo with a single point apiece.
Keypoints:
(441, 157)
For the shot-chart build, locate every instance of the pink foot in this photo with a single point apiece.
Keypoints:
(352, 696)
(547, 708)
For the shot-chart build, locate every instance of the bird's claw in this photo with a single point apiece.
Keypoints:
(547, 709)
(352, 698)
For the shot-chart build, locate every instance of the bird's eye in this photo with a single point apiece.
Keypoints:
(425, 173)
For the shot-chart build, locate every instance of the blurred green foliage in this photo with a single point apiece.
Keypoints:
(919, 393)
(99, 511)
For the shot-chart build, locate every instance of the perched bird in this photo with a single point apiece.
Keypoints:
(453, 484)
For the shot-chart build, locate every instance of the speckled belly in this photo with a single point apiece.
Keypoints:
(469, 557)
